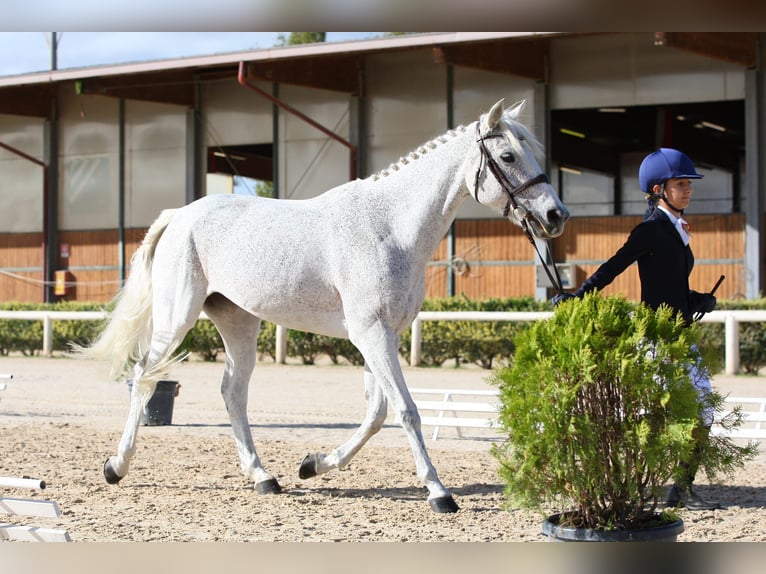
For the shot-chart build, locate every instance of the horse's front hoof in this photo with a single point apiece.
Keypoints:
(443, 504)
(270, 486)
(109, 473)
(308, 467)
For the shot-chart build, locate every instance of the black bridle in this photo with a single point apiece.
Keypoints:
(519, 211)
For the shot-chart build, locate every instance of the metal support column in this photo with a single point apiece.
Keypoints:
(755, 167)
(542, 115)
(193, 149)
(451, 231)
(121, 192)
(50, 204)
(275, 168)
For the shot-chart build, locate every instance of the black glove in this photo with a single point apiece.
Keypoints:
(707, 302)
(561, 297)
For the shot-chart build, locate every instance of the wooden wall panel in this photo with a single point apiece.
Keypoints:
(589, 241)
(500, 260)
(593, 238)
(21, 260)
(485, 281)
(93, 263)
(436, 272)
(718, 242)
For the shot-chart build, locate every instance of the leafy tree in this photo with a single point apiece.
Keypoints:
(264, 188)
(599, 409)
(296, 38)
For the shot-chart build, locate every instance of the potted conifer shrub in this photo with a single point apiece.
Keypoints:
(598, 411)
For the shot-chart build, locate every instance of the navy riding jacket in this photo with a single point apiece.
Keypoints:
(664, 266)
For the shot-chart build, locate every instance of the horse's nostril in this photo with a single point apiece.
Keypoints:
(558, 215)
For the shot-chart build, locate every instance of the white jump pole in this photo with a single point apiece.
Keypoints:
(29, 483)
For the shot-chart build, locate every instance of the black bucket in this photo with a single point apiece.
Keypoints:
(159, 409)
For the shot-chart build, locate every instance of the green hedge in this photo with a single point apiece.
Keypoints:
(26, 337)
(752, 338)
(479, 342)
(483, 343)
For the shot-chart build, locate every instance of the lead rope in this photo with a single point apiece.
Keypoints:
(556, 283)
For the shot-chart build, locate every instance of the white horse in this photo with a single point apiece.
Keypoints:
(348, 263)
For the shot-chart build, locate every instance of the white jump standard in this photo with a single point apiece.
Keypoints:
(348, 263)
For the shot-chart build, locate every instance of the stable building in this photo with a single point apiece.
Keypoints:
(90, 156)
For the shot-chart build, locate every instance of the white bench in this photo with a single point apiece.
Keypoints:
(754, 419)
(448, 412)
(28, 507)
(462, 413)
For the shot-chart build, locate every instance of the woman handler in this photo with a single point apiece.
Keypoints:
(660, 245)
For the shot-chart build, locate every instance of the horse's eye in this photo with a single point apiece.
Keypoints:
(507, 157)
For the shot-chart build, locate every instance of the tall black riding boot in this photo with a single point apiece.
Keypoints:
(682, 494)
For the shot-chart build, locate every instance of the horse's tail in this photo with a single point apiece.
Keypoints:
(127, 335)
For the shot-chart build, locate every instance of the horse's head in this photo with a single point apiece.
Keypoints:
(507, 177)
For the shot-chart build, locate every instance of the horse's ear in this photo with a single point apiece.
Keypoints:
(494, 115)
(516, 109)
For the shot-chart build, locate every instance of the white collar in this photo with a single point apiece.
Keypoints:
(673, 218)
(678, 223)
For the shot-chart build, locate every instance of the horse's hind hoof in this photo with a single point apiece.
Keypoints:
(111, 476)
(270, 486)
(308, 467)
(443, 504)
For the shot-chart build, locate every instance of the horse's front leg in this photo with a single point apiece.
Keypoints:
(379, 346)
(319, 463)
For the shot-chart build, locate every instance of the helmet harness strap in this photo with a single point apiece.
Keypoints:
(664, 197)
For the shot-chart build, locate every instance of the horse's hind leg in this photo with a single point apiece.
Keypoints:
(176, 305)
(142, 389)
(239, 331)
(116, 467)
(319, 463)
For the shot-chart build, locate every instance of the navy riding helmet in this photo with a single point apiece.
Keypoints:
(663, 164)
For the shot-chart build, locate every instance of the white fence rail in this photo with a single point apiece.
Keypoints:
(47, 317)
(730, 318)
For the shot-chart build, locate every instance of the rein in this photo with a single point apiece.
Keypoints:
(519, 211)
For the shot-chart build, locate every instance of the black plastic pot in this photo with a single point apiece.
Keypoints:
(663, 533)
(159, 409)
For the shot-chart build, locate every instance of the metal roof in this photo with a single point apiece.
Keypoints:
(337, 66)
(273, 54)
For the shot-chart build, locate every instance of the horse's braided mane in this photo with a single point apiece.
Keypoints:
(417, 153)
(442, 139)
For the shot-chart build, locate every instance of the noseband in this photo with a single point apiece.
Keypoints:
(519, 211)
